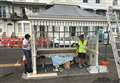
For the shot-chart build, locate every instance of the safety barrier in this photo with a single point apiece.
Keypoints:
(11, 42)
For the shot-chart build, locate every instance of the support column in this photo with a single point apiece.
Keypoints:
(4, 25)
(22, 29)
(97, 49)
(33, 51)
(90, 35)
(93, 40)
(91, 28)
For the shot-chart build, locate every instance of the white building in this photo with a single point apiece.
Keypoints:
(101, 6)
(12, 11)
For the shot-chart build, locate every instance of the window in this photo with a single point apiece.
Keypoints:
(85, 1)
(119, 15)
(35, 10)
(72, 30)
(66, 29)
(97, 1)
(26, 28)
(115, 2)
(85, 29)
(42, 31)
(55, 29)
(19, 28)
(2, 11)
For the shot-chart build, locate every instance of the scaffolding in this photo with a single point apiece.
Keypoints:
(58, 35)
(114, 34)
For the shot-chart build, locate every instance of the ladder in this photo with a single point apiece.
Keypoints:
(115, 40)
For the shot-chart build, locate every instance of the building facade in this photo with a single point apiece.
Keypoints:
(13, 11)
(101, 6)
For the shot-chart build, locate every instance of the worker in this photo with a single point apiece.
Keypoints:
(27, 54)
(81, 51)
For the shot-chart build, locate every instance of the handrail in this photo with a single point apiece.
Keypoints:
(114, 47)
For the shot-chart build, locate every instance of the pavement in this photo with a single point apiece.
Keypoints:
(9, 55)
(13, 74)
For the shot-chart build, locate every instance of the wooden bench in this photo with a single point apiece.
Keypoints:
(42, 54)
(56, 51)
(47, 53)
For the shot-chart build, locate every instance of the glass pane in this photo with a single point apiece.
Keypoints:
(19, 28)
(72, 30)
(26, 27)
(66, 29)
(4, 11)
(85, 30)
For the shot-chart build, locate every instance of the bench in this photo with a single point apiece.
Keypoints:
(49, 52)
(43, 54)
(56, 51)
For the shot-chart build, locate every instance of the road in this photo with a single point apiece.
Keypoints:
(13, 75)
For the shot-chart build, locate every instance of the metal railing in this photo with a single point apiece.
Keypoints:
(114, 39)
(115, 52)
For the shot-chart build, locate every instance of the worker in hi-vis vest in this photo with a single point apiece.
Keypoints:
(81, 51)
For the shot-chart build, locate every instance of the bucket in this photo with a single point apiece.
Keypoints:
(104, 62)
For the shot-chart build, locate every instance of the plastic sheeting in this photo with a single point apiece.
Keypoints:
(59, 60)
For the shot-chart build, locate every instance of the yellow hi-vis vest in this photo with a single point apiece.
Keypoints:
(82, 46)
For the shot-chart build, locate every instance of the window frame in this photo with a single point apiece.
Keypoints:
(35, 10)
(26, 27)
(3, 11)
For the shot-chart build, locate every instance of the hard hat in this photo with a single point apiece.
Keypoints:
(81, 35)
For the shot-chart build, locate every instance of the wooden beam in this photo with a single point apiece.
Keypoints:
(10, 65)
